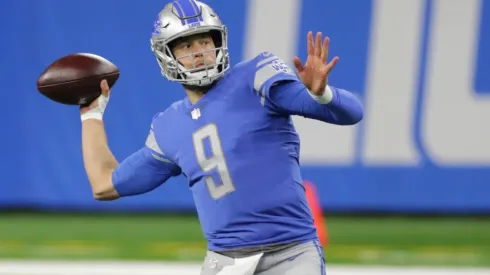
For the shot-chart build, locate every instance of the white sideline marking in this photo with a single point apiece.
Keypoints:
(168, 268)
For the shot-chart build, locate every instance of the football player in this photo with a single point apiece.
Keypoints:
(233, 138)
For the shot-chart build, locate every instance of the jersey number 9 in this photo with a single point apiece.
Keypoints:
(215, 162)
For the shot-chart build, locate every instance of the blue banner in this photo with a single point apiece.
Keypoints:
(421, 68)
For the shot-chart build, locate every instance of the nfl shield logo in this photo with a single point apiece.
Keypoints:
(196, 113)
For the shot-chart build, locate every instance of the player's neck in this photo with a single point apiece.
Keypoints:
(194, 96)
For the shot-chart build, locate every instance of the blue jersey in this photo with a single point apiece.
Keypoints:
(239, 150)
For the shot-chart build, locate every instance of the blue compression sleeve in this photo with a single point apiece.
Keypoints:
(291, 97)
(142, 172)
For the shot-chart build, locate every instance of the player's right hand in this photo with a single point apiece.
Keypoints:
(96, 108)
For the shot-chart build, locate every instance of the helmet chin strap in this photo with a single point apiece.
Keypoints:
(201, 78)
(205, 77)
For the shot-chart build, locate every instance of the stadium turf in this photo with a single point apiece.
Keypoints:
(354, 240)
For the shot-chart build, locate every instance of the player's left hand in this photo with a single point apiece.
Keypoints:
(314, 73)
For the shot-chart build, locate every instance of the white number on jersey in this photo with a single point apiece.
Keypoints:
(216, 161)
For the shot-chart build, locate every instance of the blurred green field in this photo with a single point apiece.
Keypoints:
(353, 240)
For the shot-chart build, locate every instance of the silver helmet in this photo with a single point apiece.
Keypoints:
(183, 18)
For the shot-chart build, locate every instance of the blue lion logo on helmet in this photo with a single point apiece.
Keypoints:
(156, 26)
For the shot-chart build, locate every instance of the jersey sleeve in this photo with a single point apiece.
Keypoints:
(144, 170)
(293, 98)
(270, 70)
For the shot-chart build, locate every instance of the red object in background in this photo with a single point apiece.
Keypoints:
(316, 210)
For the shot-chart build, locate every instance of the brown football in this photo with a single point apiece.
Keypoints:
(75, 79)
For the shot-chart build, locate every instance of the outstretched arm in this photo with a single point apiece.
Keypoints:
(335, 106)
(306, 93)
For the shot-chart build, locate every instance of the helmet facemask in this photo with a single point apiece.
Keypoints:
(173, 69)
